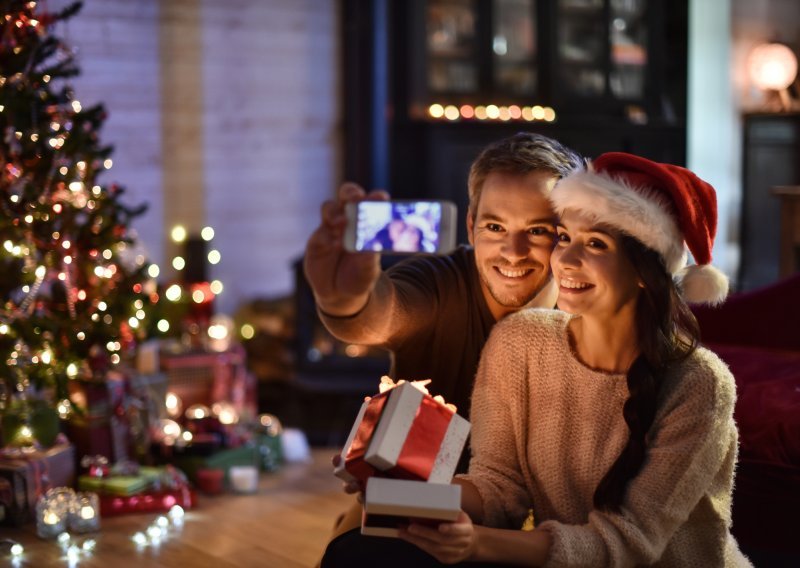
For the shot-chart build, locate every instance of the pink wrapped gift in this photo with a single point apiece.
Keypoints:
(404, 433)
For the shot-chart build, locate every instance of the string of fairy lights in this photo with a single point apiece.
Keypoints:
(73, 549)
(490, 112)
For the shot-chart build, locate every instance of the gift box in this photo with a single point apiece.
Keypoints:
(103, 428)
(224, 460)
(6, 499)
(30, 475)
(121, 485)
(107, 436)
(152, 501)
(390, 504)
(151, 489)
(404, 433)
(203, 377)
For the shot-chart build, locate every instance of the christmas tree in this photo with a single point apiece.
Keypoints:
(74, 294)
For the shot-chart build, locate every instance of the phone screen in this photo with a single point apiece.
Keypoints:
(404, 227)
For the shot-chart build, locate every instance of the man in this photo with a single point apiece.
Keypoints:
(434, 313)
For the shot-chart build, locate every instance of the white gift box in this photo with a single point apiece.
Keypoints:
(414, 437)
(392, 503)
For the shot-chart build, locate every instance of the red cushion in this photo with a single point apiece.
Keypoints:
(768, 402)
(766, 317)
(766, 495)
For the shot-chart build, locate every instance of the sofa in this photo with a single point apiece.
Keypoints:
(757, 333)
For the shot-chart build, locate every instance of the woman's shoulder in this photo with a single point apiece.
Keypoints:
(704, 375)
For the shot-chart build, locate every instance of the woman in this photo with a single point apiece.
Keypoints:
(606, 419)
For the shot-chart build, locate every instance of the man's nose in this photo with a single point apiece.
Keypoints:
(516, 246)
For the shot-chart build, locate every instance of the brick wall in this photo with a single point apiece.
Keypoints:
(223, 114)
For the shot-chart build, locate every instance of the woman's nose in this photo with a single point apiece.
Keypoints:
(568, 255)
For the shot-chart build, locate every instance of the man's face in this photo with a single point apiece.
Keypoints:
(513, 234)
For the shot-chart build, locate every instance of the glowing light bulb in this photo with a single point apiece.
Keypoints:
(436, 110)
(178, 233)
(173, 293)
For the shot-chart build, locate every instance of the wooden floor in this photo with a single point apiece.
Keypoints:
(286, 524)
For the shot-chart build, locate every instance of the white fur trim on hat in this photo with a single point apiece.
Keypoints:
(641, 213)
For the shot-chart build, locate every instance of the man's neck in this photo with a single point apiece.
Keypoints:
(546, 297)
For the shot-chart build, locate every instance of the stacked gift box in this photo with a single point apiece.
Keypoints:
(116, 415)
(403, 449)
(138, 489)
(25, 475)
(206, 377)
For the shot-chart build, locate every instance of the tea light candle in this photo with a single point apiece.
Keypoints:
(85, 513)
(243, 478)
(49, 522)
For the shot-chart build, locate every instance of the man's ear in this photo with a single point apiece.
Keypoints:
(470, 226)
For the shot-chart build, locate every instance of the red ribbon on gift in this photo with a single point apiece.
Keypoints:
(424, 439)
(354, 461)
(148, 502)
(418, 454)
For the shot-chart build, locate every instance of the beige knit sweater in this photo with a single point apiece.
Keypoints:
(546, 429)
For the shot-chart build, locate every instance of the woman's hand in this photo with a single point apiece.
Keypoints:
(350, 487)
(449, 543)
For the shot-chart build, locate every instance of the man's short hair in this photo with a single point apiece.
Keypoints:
(521, 154)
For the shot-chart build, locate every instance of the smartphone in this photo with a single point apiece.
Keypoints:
(401, 227)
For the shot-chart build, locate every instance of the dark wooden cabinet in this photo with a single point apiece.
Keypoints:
(771, 157)
(429, 83)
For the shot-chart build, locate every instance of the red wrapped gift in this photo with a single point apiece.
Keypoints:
(147, 502)
(104, 428)
(31, 474)
(6, 499)
(404, 433)
(202, 377)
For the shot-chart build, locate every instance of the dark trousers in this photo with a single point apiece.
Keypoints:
(353, 550)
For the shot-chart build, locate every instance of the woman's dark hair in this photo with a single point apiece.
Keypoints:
(668, 332)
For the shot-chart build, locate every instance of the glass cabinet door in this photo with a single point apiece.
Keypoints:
(581, 47)
(628, 38)
(602, 48)
(514, 46)
(451, 38)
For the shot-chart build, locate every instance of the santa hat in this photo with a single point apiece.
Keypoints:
(666, 207)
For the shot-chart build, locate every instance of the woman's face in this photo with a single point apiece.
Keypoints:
(408, 240)
(594, 276)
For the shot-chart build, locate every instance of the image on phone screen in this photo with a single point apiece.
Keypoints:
(398, 227)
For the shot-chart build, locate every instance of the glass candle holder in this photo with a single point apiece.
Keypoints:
(85, 513)
(51, 520)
